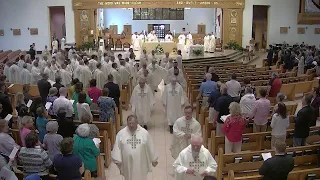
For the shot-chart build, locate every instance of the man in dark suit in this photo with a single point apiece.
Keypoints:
(44, 87)
(5, 101)
(303, 121)
(279, 166)
(114, 90)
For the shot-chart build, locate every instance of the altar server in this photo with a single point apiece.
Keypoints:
(206, 41)
(212, 44)
(168, 37)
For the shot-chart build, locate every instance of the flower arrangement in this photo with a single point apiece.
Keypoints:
(159, 49)
(197, 52)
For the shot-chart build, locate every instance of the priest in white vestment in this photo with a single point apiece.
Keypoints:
(135, 41)
(206, 42)
(133, 151)
(152, 56)
(35, 73)
(101, 45)
(25, 75)
(179, 59)
(21, 62)
(194, 162)
(85, 76)
(189, 41)
(63, 43)
(212, 43)
(173, 101)
(182, 42)
(165, 60)
(124, 73)
(99, 76)
(50, 72)
(146, 73)
(168, 37)
(141, 39)
(142, 101)
(66, 76)
(106, 68)
(182, 130)
(116, 75)
(93, 63)
(6, 68)
(152, 37)
(14, 73)
(71, 52)
(54, 45)
(158, 73)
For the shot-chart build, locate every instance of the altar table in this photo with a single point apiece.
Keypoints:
(167, 46)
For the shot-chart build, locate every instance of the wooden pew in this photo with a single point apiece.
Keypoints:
(293, 175)
(248, 166)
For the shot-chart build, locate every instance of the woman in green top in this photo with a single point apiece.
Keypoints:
(85, 148)
(75, 97)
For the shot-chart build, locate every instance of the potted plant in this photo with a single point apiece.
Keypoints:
(86, 46)
(197, 52)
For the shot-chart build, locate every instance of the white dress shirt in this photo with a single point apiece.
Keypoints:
(65, 103)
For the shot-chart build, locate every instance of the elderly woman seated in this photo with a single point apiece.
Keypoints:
(34, 159)
(94, 130)
(7, 143)
(86, 149)
(52, 140)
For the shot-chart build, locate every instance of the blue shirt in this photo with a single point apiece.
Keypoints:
(67, 166)
(41, 126)
(207, 87)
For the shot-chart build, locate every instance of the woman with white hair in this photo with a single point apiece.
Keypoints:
(52, 140)
(86, 149)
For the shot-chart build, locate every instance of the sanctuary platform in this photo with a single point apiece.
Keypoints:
(226, 56)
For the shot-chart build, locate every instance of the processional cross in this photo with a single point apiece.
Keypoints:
(133, 141)
(196, 164)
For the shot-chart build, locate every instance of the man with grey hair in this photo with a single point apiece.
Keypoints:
(44, 87)
(35, 73)
(134, 152)
(247, 102)
(157, 74)
(194, 162)
(274, 85)
(142, 101)
(25, 75)
(173, 101)
(205, 89)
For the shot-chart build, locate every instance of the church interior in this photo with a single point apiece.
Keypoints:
(256, 41)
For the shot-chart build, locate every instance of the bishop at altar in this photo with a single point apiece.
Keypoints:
(183, 128)
(194, 162)
(134, 151)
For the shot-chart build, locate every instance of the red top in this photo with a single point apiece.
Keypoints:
(275, 87)
(233, 128)
(94, 93)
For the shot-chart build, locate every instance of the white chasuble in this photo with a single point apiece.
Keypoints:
(135, 42)
(134, 153)
(85, 76)
(14, 74)
(206, 43)
(99, 76)
(66, 77)
(173, 100)
(158, 73)
(125, 75)
(168, 38)
(201, 163)
(35, 75)
(212, 44)
(180, 128)
(182, 39)
(142, 101)
(116, 77)
(51, 74)
(25, 76)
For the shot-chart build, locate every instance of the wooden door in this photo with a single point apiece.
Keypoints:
(114, 29)
(127, 29)
(201, 29)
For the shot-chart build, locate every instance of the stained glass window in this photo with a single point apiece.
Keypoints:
(158, 13)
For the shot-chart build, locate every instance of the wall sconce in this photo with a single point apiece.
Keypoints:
(289, 27)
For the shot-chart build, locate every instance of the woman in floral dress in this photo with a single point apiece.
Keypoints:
(107, 106)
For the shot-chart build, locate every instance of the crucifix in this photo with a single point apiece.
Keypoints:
(196, 164)
(187, 129)
(133, 141)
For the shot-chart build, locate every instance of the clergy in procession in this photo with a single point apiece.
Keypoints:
(183, 128)
(85, 75)
(135, 42)
(152, 56)
(168, 37)
(35, 73)
(212, 44)
(189, 41)
(124, 73)
(66, 76)
(179, 59)
(25, 75)
(14, 73)
(165, 60)
(49, 71)
(92, 63)
(99, 76)
(6, 68)
(46, 51)
(144, 56)
(133, 151)
(21, 62)
(142, 102)
(152, 37)
(106, 68)
(54, 45)
(158, 73)
(173, 101)
(101, 45)
(182, 41)
(194, 162)
(206, 42)
(116, 75)
(141, 39)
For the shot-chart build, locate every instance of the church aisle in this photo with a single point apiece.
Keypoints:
(158, 129)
